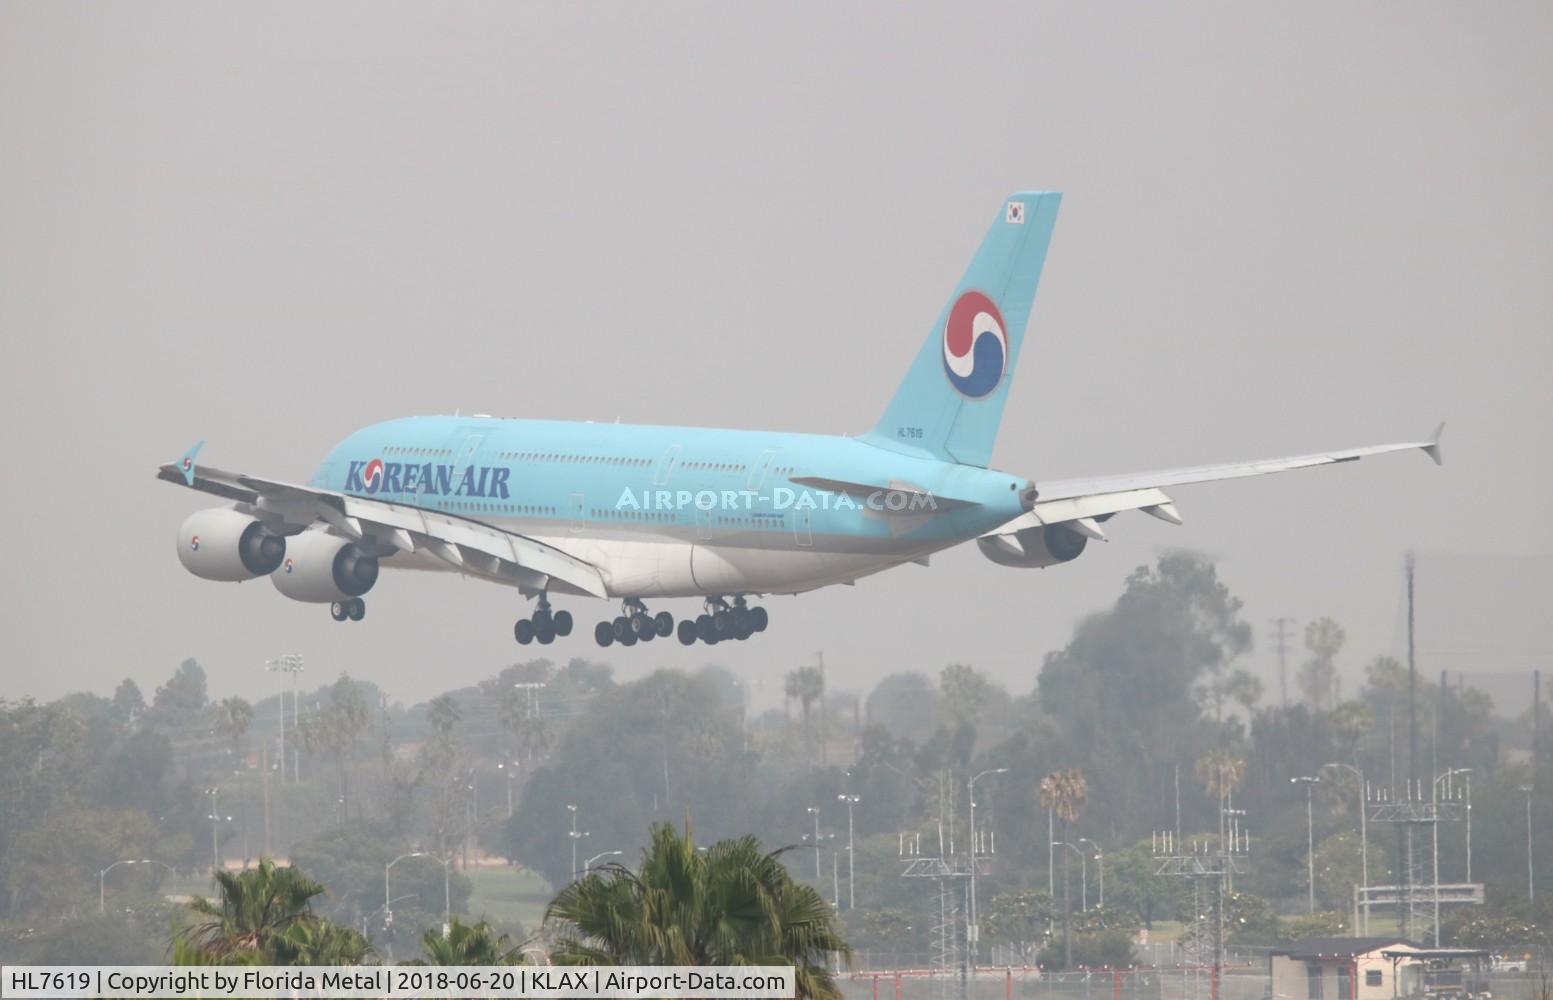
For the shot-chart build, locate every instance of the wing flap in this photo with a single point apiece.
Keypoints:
(1076, 509)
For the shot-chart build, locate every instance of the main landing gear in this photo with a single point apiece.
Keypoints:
(353, 608)
(545, 625)
(635, 624)
(722, 620)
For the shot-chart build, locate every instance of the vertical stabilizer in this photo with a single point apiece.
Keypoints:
(951, 402)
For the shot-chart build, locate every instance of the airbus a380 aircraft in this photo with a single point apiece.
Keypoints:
(635, 513)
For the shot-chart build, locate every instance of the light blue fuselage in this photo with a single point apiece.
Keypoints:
(675, 511)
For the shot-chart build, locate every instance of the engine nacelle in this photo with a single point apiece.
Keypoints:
(320, 567)
(227, 545)
(1034, 548)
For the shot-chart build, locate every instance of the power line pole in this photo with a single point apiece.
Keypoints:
(1283, 661)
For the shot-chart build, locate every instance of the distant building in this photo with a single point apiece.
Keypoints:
(1372, 968)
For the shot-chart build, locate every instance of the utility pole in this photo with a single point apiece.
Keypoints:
(1531, 875)
(1309, 781)
(815, 812)
(824, 728)
(1283, 664)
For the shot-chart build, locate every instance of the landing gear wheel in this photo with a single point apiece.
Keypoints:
(722, 624)
(665, 624)
(523, 631)
(544, 631)
(705, 629)
(629, 640)
(356, 609)
(687, 632)
(562, 620)
(622, 629)
(742, 629)
(642, 625)
(337, 611)
(603, 633)
(759, 619)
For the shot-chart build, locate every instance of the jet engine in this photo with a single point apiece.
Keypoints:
(229, 546)
(1034, 548)
(320, 568)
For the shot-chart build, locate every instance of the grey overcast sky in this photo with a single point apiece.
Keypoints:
(1284, 228)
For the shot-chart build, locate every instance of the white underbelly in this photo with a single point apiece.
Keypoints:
(675, 568)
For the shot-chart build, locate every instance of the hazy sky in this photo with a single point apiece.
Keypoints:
(1284, 229)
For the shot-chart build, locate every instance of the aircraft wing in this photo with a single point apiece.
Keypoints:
(460, 541)
(1080, 503)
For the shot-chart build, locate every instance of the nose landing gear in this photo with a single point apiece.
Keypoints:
(545, 625)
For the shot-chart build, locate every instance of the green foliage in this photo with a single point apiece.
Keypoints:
(350, 861)
(468, 944)
(254, 908)
(733, 904)
(1110, 948)
(1322, 923)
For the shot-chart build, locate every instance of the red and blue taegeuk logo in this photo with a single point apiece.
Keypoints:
(975, 347)
(372, 475)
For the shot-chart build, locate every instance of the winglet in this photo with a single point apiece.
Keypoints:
(186, 463)
(1433, 448)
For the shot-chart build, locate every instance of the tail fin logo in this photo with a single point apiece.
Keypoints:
(975, 346)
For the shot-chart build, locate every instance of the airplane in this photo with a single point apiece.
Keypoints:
(633, 513)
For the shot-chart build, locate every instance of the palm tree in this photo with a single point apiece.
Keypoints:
(1065, 792)
(805, 685)
(468, 944)
(319, 942)
(730, 904)
(234, 716)
(255, 907)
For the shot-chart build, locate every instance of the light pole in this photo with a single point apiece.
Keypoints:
(588, 864)
(289, 663)
(850, 800)
(1531, 880)
(1364, 839)
(1310, 782)
(1099, 864)
(447, 895)
(1051, 852)
(215, 830)
(384, 909)
(815, 812)
(511, 771)
(575, 836)
(1083, 872)
(102, 878)
(972, 928)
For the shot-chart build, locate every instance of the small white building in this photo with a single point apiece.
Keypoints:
(1343, 968)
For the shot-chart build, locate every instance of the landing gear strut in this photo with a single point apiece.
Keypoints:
(722, 620)
(352, 608)
(545, 625)
(635, 624)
